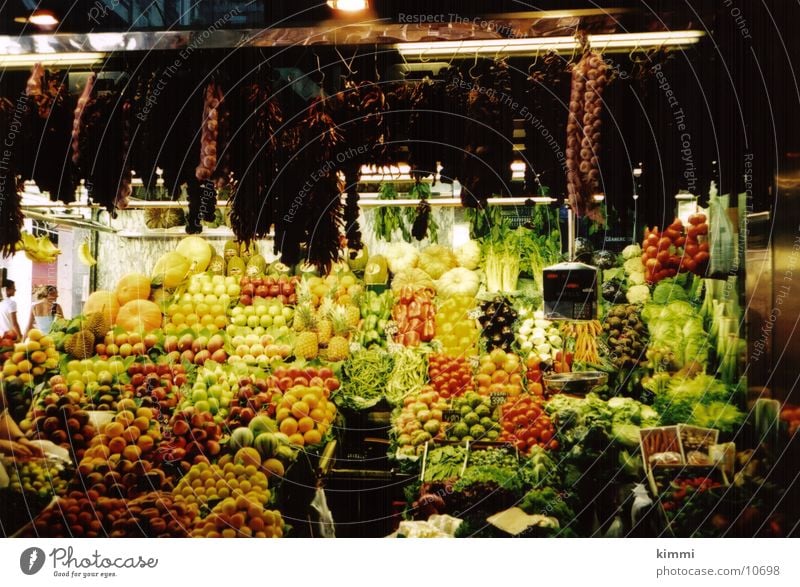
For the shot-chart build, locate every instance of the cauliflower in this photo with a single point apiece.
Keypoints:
(631, 251)
(636, 278)
(633, 265)
(638, 294)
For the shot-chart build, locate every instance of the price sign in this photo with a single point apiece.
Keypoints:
(498, 398)
(451, 416)
(474, 314)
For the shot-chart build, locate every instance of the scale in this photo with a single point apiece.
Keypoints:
(570, 288)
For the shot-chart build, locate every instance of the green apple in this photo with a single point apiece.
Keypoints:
(207, 288)
(274, 310)
(266, 320)
(279, 321)
(261, 309)
(252, 321)
(240, 320)
(233, 290)
(199, 395)
(202, 406)
(211, 299)
(105, 378)
(287, 313)
(258, 330)
(218, 279)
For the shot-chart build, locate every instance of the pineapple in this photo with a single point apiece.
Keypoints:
(303, 315)
(339, 345)
(324, 322)
(306, 345)
(352, 315)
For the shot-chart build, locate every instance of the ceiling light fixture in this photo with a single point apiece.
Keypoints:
(610, 43)
(39, 18)
(349, 5)
(47, 59)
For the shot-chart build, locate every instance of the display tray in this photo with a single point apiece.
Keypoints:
(578, 384)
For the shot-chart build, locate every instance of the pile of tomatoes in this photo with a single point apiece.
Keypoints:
(414, 313)
(525, 425)
(676, 249)
(450, 376)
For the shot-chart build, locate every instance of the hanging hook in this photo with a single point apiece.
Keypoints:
(474, 65)
(449, 63)
(535, 61)
(320, 71)
(375, 62)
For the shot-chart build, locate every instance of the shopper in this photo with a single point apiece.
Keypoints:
(45, 309)
(8, 310)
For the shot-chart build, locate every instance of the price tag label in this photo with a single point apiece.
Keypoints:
(451, 416)
(474, 314)
(498, 398)
(391, 329)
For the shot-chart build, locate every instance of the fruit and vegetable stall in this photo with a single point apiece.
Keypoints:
(308, 305)
(198, 400)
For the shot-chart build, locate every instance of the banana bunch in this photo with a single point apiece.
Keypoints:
(38, 250)
(85, 254)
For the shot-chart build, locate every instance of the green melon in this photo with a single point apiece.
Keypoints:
(262, 423)
(267, 445)
(241, 438)
(376, 271)
(236, 267)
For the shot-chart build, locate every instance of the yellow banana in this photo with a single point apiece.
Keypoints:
(85, 255)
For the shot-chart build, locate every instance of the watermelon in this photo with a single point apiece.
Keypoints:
(240, 438)
(267, 445)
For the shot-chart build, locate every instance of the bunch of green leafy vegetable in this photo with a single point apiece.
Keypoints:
(506, 478)
(677, 336)
(444, 463)
(501, 255)
(547, 501)
(700, 401)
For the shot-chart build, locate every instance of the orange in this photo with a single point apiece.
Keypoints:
(312, 437)
(144, 413)
(289, 426)
(305, 424)
(131, 434)
(125, 417)
(311, 400)
(256, 524)
(318, 414)
(297, 439)
(300, 409)
(145, 442)
(114, 430)
(132, 452)
(282, 414)
(117, 444)
(142, 423)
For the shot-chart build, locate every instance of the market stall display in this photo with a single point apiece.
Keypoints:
(510, 386)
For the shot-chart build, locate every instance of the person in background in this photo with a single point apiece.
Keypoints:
(8, 310)
(45, 309)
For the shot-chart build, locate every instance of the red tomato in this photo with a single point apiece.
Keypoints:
(664, 243)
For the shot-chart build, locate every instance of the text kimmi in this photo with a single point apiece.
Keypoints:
(680, 554)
